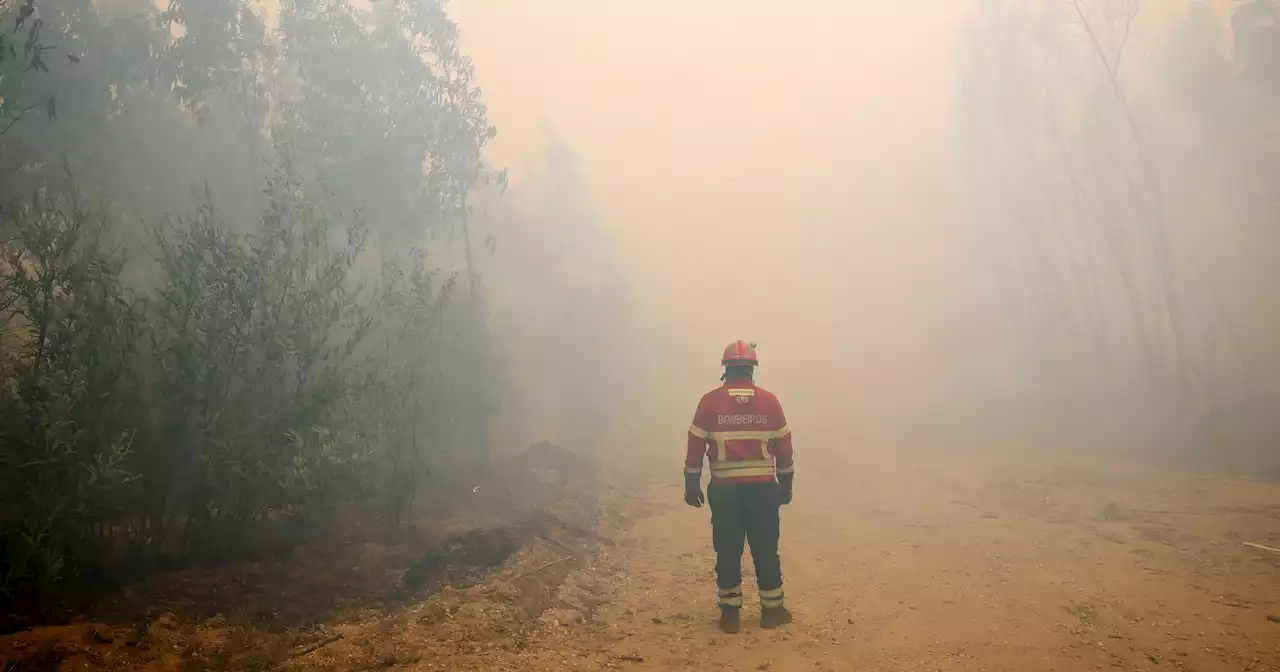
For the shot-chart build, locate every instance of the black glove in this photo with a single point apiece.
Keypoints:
(693, 490)
(784, 487)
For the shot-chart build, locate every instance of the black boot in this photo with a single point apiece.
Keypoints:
(730, 620)
(775, 617)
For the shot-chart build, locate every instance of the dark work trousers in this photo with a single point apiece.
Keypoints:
(746, 513)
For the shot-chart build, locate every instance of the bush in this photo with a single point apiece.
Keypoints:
(69, 330)
(255, 386)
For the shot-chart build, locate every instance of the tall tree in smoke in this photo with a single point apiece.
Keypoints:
(563, 313)
(1051, 119)
(1085, 228)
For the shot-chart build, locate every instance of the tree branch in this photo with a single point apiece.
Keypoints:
(1131, 10)
(18, 116)
(1149, 201)
(1087, 25)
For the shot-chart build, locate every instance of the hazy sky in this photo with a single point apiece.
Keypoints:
(767, 173)
(788, 173)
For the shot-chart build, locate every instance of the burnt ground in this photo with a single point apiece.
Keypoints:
(515, 534)
(941, 561)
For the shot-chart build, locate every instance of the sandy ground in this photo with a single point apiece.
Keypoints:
(935, 562)
(892, 560)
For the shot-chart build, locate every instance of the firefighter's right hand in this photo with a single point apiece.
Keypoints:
(693, 490)
(785, 481)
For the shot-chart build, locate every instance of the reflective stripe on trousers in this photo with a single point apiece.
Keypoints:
(771, 599)
(731, 597)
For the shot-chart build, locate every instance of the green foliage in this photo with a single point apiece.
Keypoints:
(375, 108)
(68, 327)
(236, 378)
(257, 384)
(22, 50)
(324, 470)
(398, 70)
(253, 338)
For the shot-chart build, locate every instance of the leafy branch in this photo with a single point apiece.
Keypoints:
(15, 118)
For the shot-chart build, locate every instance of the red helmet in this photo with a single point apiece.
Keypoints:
(740, 353)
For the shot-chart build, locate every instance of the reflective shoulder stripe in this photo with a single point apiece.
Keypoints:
(699, 432)
(742, 393)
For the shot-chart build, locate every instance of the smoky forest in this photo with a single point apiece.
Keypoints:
(365, 334)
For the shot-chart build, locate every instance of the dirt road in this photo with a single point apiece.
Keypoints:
(893, 561)
(903, 562)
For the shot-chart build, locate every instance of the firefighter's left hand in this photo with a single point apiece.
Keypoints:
(784, 488)
(694, 498)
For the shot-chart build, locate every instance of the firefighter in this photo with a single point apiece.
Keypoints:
(741, 431)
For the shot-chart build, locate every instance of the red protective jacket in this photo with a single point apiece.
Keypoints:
(741, 429)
